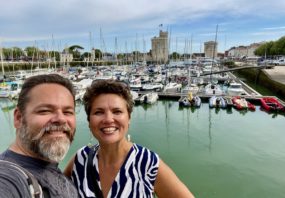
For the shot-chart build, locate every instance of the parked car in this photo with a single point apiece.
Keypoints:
(278, 62)
(281, 62)
(268, 63)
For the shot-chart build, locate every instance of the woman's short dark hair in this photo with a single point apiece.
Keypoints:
(99, 87)
(33, 81)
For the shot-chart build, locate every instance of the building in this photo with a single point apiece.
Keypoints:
(243, 51)
(238, 52)
(211, 49)
(65, 56)
(93, 54)
(159, 47)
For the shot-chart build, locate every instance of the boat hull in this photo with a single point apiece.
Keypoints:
(271, 104)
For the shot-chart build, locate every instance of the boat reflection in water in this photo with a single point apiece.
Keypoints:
(213, 152)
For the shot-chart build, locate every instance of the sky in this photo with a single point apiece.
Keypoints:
(118, 26)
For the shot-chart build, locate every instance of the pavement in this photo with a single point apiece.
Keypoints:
(276, 74)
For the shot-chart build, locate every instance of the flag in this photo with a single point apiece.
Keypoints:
(160, 25)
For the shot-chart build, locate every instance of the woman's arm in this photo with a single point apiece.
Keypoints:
(167, 184)
(68, 169)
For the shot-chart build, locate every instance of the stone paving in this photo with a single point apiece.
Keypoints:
(277, 73)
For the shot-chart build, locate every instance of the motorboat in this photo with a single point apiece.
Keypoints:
(193, 88)
(4, 91)
(198, 80)
(271, 104)
(229, 101)
(172, 87)
(213, 89)
(241, 103)
(135, 84)
(152, 87)
(217, 102)
(79, 90)
(149, 98)
(235, 89)
(135, 95)
(190, 101)
(10, 89)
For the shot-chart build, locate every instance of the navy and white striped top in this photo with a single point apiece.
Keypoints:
(135, 178)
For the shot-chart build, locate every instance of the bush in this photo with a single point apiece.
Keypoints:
(229, 64)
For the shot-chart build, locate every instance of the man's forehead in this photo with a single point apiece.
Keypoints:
(52, 105)
(50, 94)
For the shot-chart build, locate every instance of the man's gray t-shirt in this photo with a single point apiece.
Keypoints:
(53, 182)
(13, 183)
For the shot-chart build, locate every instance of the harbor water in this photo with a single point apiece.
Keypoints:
(216, 153)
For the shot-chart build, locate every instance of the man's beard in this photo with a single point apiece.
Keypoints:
(38, 141)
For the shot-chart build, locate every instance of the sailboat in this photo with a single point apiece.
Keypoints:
(190, 87)
(213, 88)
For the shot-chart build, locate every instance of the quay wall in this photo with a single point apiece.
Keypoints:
(262, 79)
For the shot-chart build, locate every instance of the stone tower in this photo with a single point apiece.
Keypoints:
(159, 47)
(211, 49)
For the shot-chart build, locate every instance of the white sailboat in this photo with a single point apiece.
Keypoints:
(149, 98)
(213, 88)
(172, 87)
(190, 87)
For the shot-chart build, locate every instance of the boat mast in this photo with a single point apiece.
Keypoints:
(1, 54)
(53, 48)
(189, 76)
(214, 51)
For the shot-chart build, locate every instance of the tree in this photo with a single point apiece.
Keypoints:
(86, 55)
(175, 55)
(55, 54)
(262, 50)
(98, 54)
(121, 56)
(272, 48)
(17, 53)
(31, 51)
(75, 51)
(75, 47)
(279, 46)
(6, 53)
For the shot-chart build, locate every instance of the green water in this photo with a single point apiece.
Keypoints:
(217, 154)
(259, 88)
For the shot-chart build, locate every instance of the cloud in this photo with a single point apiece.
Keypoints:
(74, 19)
(275, 28)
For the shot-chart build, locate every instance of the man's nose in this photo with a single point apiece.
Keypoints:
(59, 117)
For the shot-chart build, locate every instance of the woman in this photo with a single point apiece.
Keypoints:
(121, 168)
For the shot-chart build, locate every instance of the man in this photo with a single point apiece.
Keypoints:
(44, 119)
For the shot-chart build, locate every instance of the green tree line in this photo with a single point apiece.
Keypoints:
(272, 48)
(34, 53)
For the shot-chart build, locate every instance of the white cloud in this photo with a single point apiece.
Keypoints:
(73, 19)
(275, 28)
